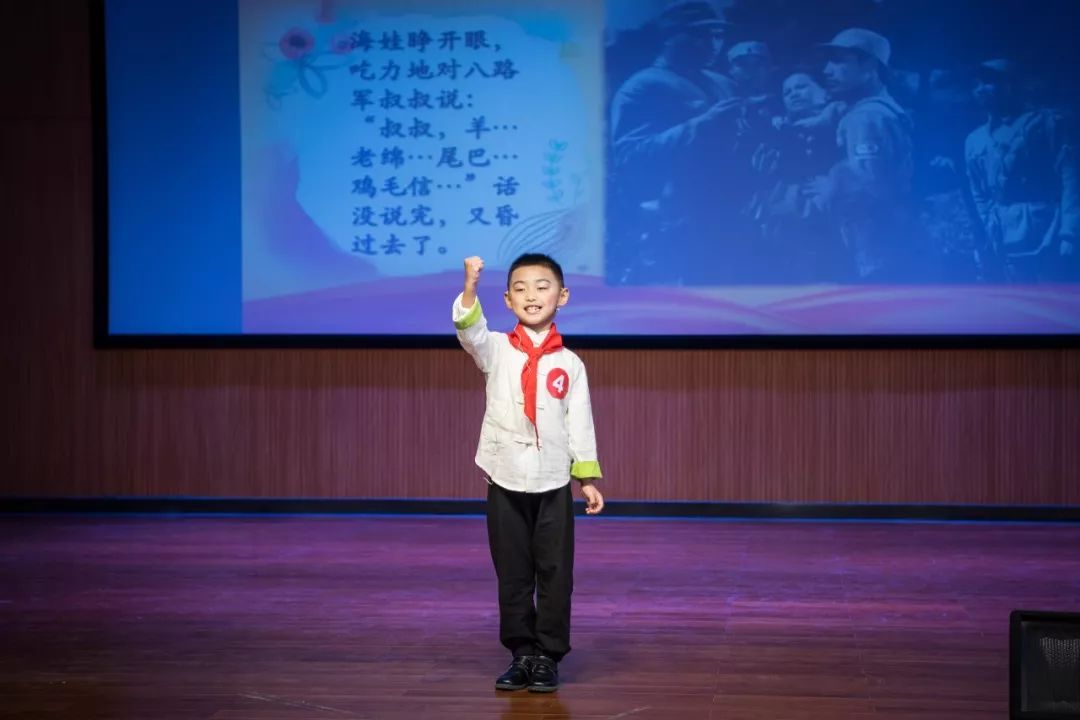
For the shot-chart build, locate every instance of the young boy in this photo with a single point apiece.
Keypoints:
(537, 434)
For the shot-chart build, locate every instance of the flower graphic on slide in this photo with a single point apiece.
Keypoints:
(296, 43)
(302, 57)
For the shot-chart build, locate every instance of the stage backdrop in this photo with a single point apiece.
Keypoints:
(978, 426)
(736, 168)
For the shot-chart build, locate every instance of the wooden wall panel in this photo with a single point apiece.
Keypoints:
(996, 427)
(868, 426)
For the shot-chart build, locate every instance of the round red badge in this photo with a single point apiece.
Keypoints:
(558, 383)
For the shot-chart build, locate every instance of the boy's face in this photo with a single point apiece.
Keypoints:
(534, 295)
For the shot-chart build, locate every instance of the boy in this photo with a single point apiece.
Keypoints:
(537, 434)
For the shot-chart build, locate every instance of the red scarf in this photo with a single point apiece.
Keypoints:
(530, 373)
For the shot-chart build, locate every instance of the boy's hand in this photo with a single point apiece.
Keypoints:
(594, 501)
(473, 266)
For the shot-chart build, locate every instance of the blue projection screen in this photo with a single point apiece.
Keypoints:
(730, 169)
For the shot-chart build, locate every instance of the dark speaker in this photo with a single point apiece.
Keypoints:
(1044, 665)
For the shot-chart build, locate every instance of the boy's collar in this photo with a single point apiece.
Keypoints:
(537, 337)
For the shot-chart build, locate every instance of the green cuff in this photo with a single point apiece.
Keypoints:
(585, 470)
(471, 318)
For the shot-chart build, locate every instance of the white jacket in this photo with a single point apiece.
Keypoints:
(511, 452)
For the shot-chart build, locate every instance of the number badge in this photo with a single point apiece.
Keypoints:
(558, 383)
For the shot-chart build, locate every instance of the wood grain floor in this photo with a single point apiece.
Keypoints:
(282, 618)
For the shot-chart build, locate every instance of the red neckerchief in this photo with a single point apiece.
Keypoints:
(530, 373)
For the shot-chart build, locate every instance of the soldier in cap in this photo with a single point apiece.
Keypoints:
(750, 67)
(869, 192)
(671, 125)
(1022, 169)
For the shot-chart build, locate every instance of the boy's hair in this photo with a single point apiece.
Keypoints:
(536, 259)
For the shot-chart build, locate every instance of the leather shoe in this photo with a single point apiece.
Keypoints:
(516, 677)
(544, 674)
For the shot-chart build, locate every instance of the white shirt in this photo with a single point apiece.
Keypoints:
(511, 452)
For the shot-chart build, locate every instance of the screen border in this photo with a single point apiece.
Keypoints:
(104, 338)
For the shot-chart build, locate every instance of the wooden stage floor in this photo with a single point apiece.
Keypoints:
(281, 618)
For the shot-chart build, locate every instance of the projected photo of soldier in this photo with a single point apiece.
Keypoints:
(673, 127)
(773, 142)
(868, 193)
(1022, 168)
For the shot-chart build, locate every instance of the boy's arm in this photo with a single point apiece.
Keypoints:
(472, 331)
(584, 464)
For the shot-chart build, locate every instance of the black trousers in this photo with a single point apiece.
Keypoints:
(532, 545)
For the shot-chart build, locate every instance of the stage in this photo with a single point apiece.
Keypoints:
(268, 618)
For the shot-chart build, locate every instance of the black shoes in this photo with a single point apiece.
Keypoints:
(539, 673)
(545, 674)
(516, 677)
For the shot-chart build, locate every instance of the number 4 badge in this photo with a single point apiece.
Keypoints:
(558, 383)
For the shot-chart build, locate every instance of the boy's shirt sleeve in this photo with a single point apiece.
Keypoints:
(473, 334)
(579, 420)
